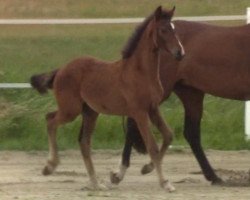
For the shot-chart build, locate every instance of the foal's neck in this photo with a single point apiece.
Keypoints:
(145, 63)
(145, 58)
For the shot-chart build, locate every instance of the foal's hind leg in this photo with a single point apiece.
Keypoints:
(158, 121)
(68, 109)
(142, 121)
(53, 154)
(88, 125)
(55, 119)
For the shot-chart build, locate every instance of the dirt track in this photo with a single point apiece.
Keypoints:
(20, 177)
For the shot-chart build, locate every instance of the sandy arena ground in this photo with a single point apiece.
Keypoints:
(21, 178)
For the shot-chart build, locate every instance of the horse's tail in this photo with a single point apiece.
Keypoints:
(134, 136)
(43, 82)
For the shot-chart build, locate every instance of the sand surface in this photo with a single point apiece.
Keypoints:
(21, 178)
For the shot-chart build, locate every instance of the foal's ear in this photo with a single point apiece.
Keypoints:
(171, 12)
(158, 13)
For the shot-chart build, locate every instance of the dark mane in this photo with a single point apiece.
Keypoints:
(134, 39)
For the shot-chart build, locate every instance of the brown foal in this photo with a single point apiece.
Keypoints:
(128, 87)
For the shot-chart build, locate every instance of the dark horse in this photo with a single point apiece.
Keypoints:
(217, 62)
(89, 86)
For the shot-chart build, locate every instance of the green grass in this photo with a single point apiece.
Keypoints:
(222, 125)
(23, 124)
(25, 50)
(30, 49)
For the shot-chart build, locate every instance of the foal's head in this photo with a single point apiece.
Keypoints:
(163, 33)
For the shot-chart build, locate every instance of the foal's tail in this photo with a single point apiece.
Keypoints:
(43, 82)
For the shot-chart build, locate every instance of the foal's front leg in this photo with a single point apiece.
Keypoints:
(142, 121)
(88, 125)
(157, 120)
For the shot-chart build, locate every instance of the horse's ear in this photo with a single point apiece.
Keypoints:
(171, 12)
(158, 13)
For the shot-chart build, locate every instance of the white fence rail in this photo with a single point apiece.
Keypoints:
(14, 85)
(110, 20)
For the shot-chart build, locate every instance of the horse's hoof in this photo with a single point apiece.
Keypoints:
(166, 185)
(147, 168)
(218, 181)
(115, 178)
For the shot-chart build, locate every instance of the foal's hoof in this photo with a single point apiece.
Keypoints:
(96, 187)
(115, 178)
(166, 185)
(46, 171)
(147, 168)
(49, 168)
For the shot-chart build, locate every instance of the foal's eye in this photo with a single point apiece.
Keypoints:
(163, 30)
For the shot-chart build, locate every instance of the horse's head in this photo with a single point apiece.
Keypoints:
(164, 36)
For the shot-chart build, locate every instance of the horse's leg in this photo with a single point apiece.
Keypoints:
(117, 177)
(88, 125)
(192, 100)
(142, 120)
(158, 121)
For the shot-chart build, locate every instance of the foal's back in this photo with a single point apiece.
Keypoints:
(91, 81)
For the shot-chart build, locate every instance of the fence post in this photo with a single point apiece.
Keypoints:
(247, 120)
(247, 104)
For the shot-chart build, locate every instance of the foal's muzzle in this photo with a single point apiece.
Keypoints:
(179, 55)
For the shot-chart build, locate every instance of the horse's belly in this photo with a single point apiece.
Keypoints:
(227, 79)
(225, 89)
